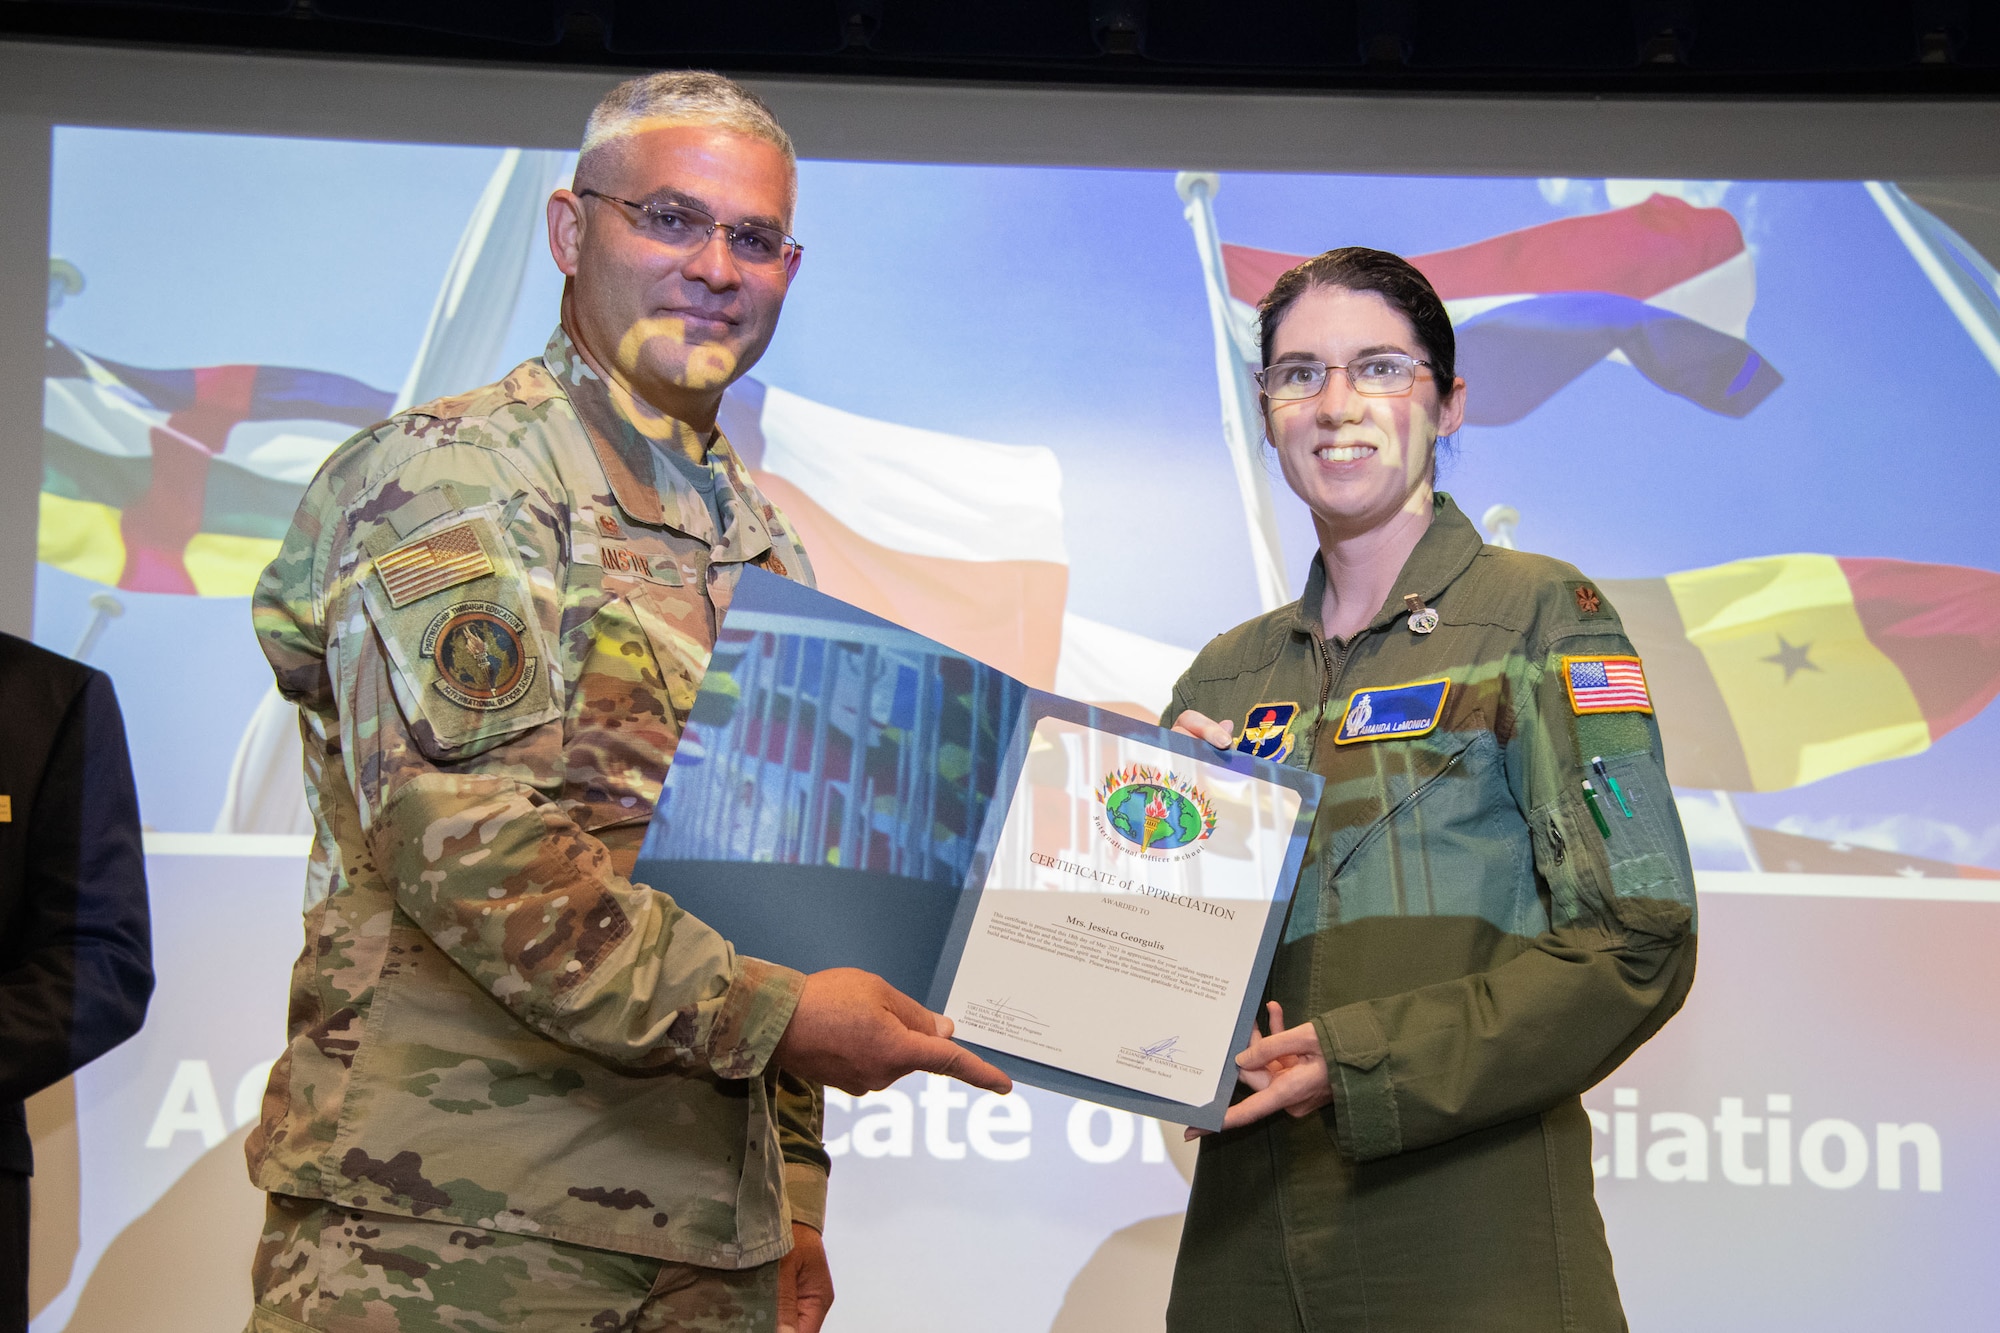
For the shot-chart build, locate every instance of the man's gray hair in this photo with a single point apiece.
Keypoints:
(692, 97)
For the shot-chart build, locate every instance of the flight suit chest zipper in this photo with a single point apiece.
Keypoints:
(1409, 799)
(1331, 668)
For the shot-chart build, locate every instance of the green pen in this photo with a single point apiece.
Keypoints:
(1597, 762)
(1590, 799)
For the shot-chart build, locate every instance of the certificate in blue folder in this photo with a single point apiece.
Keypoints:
(1094, 901)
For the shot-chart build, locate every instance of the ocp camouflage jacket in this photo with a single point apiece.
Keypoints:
(1473, 952)
(494, 611)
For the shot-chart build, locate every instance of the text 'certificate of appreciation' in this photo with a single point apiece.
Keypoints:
(1121, 918)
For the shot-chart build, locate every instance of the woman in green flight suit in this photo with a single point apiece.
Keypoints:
(1476, 938)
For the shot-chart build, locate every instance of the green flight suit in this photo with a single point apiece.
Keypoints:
(1473, 952)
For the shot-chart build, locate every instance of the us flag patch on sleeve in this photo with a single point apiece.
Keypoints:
(1606, 685)
(431, 564)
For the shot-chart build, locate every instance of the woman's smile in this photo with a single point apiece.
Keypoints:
(1343, 453)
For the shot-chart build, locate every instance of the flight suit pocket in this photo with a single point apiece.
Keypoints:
(1633, 879)
(1652, 880)
(455, 615)
(1448, 841)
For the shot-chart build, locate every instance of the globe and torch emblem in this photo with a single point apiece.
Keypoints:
(1154, 812)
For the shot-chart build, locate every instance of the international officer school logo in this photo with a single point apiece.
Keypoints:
(1153, 813)
(476, 648)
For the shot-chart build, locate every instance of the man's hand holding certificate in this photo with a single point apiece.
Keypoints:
(1092, 902)
(856, 1032)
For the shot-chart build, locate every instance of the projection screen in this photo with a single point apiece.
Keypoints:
(1739, 362)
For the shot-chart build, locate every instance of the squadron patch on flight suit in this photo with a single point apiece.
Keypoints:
(1393, 712)
(1267, 731)
(477, 650)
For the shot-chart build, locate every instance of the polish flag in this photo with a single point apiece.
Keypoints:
(958, 539)
(1116, 669)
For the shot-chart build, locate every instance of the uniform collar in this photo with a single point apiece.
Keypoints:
(648, 489)
(1445, 551)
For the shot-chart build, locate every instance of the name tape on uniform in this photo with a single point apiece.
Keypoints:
(1606, 685)
(1393, 711)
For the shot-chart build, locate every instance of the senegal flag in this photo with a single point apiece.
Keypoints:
(1779, 671)
(183, 481)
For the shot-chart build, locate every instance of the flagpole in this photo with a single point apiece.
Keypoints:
(1242, 422)
(468, 327)
(482, 284)
(104, 608)
(1920, 230)
(1727, 803)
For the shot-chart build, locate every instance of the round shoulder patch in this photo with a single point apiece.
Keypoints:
(477, 650)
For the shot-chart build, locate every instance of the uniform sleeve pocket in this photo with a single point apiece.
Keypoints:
(458, 622)
(1652, 879)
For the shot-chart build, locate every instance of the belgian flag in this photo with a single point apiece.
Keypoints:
(1779, 671)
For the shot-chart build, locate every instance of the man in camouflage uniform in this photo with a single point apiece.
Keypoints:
(522, 1092)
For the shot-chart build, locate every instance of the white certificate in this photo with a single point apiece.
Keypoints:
(1120, 921)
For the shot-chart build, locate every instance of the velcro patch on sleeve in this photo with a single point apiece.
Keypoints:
(417, 569)
(456, 617)
(1606, 685)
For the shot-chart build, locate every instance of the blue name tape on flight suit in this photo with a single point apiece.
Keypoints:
(1393, 712)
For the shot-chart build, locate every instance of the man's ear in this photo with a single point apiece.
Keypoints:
(566, 230)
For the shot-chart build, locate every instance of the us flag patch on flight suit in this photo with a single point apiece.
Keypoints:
(1606, 685)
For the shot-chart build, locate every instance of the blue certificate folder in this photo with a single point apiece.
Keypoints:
(838, 791)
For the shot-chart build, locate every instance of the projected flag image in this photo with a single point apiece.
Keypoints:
(1010, 408)
(1778, 672)
(1663, 285)
(182, 481)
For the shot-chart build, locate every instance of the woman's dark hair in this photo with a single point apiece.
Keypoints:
(1356, 268)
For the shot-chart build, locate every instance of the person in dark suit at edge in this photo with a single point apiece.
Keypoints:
(76, 961)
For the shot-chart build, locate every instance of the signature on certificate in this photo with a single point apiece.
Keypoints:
(1162, 1049)
(1005, 1006)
